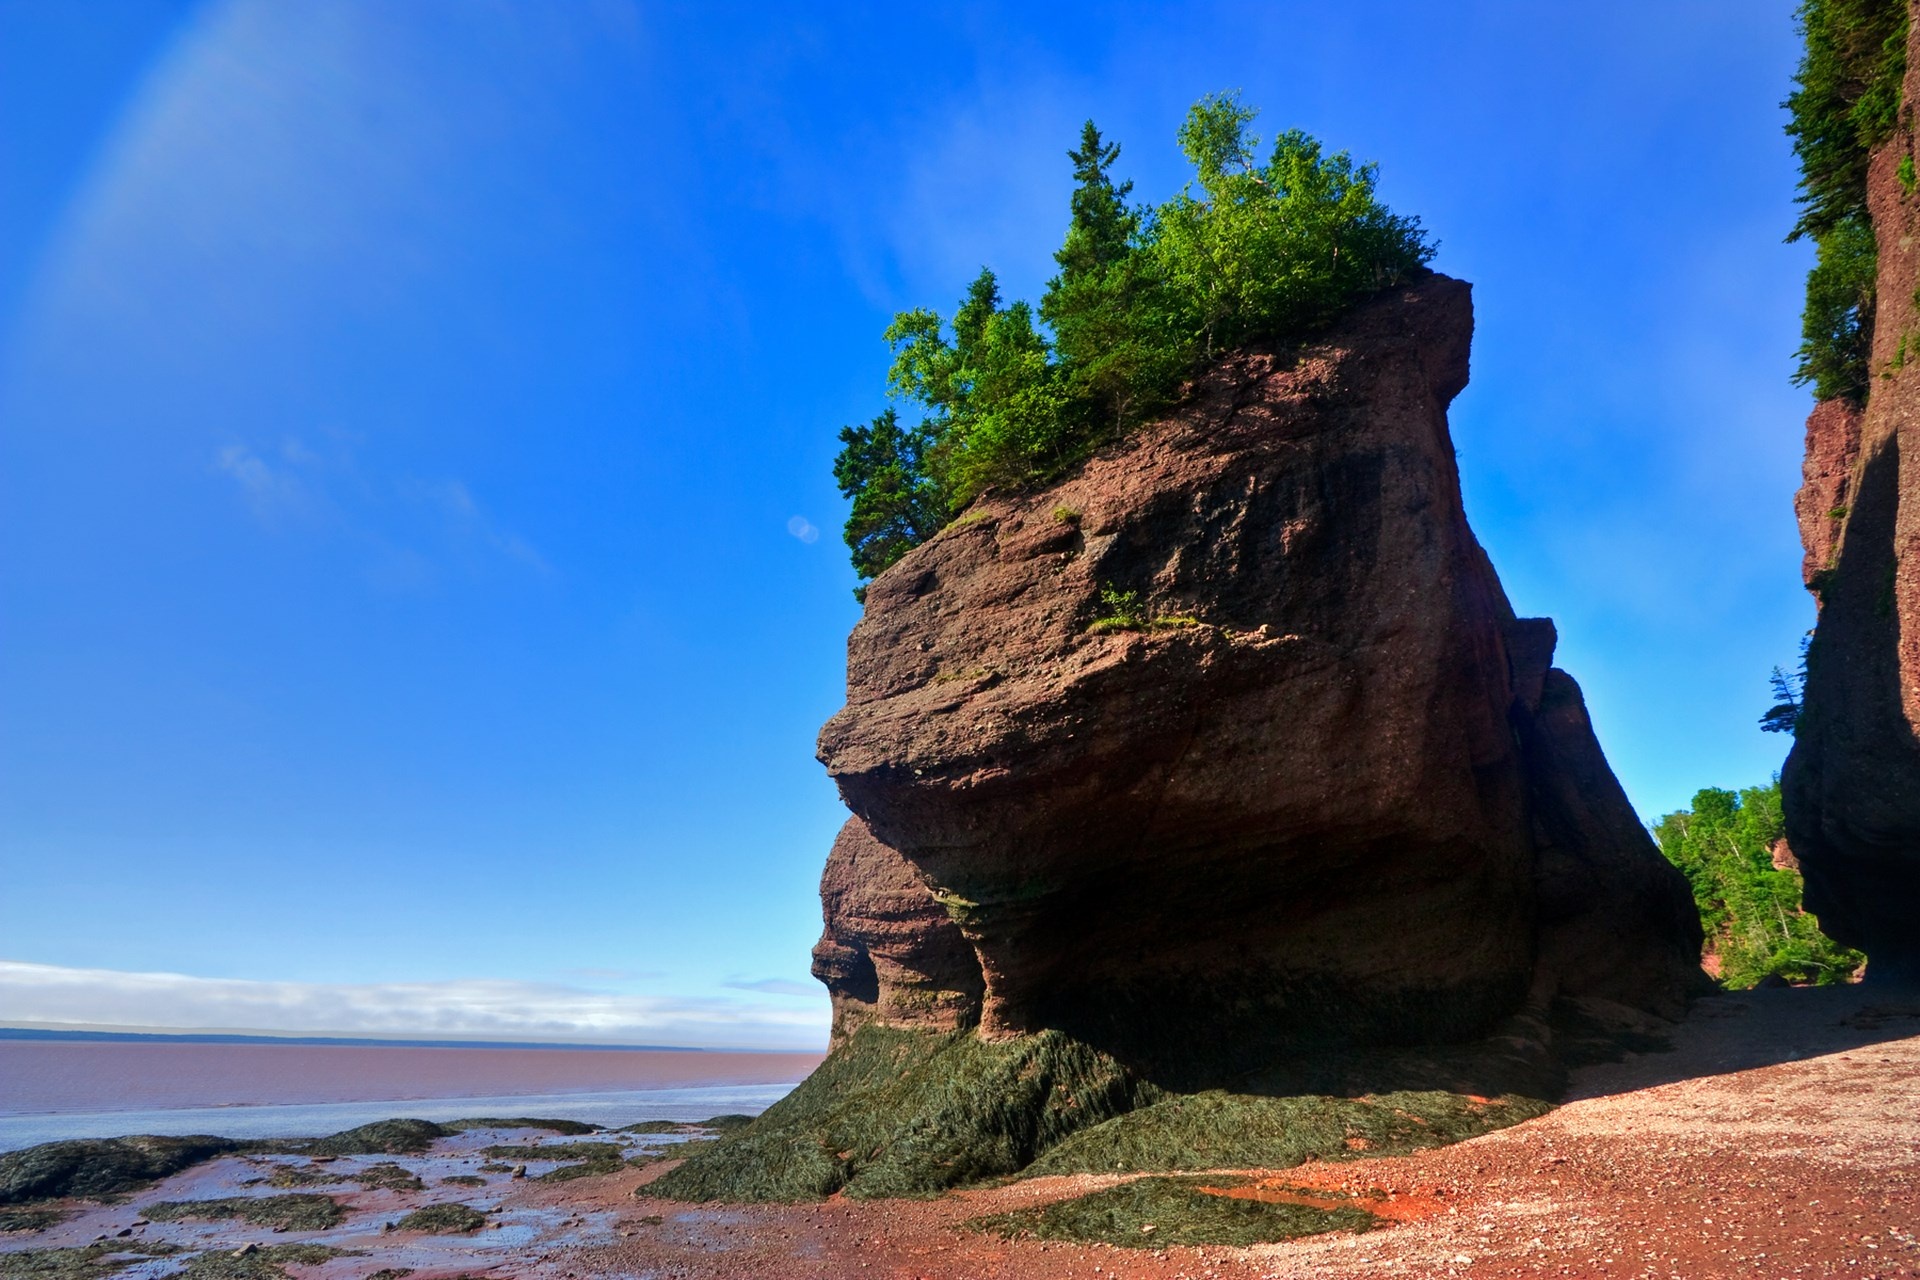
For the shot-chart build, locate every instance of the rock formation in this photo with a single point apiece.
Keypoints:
(890, 953)
(1851, 787)
(1230, 746)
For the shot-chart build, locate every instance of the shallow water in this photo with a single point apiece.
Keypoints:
(305, 1121)
(51, 1089)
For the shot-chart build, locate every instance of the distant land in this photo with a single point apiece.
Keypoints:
(46, 1031)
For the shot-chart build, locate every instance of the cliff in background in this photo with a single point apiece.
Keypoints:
(1851, 786)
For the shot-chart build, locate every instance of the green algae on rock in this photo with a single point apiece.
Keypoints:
(1221, 1130)
(301, 1212)
(444, 1220)
(1153, 1212)
(91, 1262)
(895, 1113)
(381, 1138)
(97, 1167)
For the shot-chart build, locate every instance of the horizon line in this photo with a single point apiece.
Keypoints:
(111, 1032)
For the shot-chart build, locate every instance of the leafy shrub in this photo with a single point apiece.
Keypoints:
(1749, 908)
(1145, 297)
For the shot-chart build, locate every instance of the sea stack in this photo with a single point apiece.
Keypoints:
(1229, 746)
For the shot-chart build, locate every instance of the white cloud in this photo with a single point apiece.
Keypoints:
(272, 493)
(397, 517)
(804, 529)
(479, 1008)
(777, 987)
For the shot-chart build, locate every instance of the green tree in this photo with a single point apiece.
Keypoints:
(1750, 908)
(1143, 300)
(897, 504)
(1845, 102)
(1274, 251)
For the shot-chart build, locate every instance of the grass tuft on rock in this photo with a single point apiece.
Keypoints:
(30, 1219)
(1219, 1130)
(381, 1138)
(282, 1213)
(1150, 1213)
(900, 1113)
(100, 1167)
(444, 1220)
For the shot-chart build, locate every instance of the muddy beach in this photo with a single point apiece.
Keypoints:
(1779, 1137)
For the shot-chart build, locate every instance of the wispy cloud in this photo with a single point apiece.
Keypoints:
(411, 524)
(478, 1008)
(776, 987)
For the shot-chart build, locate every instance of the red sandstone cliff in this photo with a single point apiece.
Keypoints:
(1851, 786)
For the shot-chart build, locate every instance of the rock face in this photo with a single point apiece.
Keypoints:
(1230, 745)
(890, 953)
(1851, 787)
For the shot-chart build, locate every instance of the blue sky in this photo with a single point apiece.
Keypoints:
(419, 560)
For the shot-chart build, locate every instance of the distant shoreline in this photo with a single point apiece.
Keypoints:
(357, 1042)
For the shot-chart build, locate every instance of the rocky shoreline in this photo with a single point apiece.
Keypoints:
(1779, 1133)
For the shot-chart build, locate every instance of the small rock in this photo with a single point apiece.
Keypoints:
(1462, 1260)
(123, 1233)
(519, 1171)
(250, 1247)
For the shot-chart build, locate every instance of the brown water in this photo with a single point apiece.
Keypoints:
(38, 1076)
(52, 1089)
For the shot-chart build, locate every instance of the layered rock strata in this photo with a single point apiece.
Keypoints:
(1851, 786)
(1230, 745)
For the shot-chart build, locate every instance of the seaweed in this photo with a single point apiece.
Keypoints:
(300, 1212)
(1220, 1130)
(101, 1167)
(600, 1151)
(381, 1138)
(87, 1263)
(444, 1219)
(1154, 1212)
(565, 1128)
(388, 1176)
(258, 1263)
(894, 1113)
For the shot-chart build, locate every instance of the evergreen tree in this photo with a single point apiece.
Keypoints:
(1143, 299)
(897, 504)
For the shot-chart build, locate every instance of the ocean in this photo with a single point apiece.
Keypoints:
(103, 1088)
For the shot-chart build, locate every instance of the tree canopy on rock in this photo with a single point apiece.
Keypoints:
(1011, 397)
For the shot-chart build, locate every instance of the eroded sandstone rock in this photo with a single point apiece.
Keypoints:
(1230, 744)
(890, 953)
